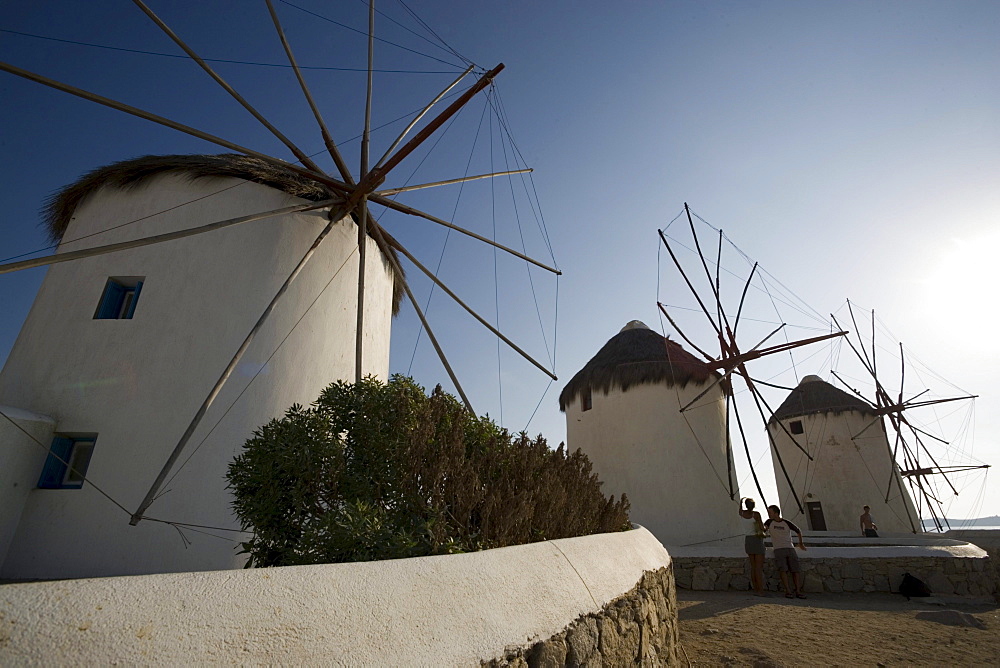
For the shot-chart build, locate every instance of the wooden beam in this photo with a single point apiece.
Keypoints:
(438, 121)
(403, 208)
(303, 158)
(416, 120)
(331, 146)
(406, 189)
(221, 381)
(168, 236)
(471, 312)
(334, 184)
(398, 272)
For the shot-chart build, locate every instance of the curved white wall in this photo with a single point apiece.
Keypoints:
(137, 383)
(21, 432)
(844, 476)
(672, 465)
(448, 610)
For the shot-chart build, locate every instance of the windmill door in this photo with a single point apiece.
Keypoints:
(816, 520)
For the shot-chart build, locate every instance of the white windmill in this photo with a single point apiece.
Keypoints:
(145, 320)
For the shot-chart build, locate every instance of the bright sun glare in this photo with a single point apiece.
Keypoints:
(961, 287)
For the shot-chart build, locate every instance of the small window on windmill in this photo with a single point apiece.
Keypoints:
(121, 293)
(587, 400)
(67, 463)
(795, 426)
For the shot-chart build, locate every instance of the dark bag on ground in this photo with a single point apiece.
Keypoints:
(911, 586)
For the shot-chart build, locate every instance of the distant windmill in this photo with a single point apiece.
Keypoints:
(732, 360)
(908, 444)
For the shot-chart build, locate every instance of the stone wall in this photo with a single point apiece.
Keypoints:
(963, 576)
(639, 627)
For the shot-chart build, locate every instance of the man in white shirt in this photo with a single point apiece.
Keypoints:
(784, 554)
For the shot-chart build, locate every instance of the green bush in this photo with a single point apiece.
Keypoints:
(382, 471)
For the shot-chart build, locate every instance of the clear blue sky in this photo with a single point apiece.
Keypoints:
(852, 148)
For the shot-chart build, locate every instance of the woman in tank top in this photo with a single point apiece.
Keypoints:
(753, 543)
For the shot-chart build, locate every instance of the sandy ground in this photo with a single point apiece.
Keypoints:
(738, 629)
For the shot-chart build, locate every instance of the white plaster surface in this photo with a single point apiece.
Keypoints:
(448, 610)
(817, 547)
(845, 474)
(137, 383)
(22, 457)
(671, 465)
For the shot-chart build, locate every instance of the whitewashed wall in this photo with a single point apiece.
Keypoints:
(441, 611)
(137, 383)
(672, 465)
(844, 476)
(21, 460)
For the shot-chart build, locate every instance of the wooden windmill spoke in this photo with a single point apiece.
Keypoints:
(740, 358)
(759, 399)
(403, 208)
(302, 157)
(729, 450)
(331, 146)
(715, 288)
(691, 343)
(465, 179)
(892, 464)
(868, 363)
(746, 448)
(214, 392)
(377, 232)
(363, 204)
(715, 383)
(158, 238)
(921, 445)
(718, 282)
(863, 358)
(471, 312)
(746, 287)
(416, 120)
(930, 470)
(429, 129)
(758, 381)
(684, 275)
(334, 184)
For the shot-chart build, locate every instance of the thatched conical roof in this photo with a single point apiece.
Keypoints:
(815, 395)
(134, 173)
(636, 356)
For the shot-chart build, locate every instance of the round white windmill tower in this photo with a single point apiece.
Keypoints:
(852, 462)
(623, 411)
(119, 351)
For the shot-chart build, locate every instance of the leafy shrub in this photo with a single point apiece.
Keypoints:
(383, 471)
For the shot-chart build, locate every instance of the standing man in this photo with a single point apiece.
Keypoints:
(868, 524)
(784, 554)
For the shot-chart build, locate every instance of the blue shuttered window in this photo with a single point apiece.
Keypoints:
(119, 299)
(67, 462)
(55, 463)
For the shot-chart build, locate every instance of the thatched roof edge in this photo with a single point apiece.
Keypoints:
(131, 174)
(818, 396)
(636, 357)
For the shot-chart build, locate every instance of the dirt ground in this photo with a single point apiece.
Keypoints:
(739, 629)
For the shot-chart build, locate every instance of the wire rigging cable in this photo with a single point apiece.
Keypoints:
(221, 60)
(365, 33)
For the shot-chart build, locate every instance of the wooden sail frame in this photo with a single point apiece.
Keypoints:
(355, 193)
(731, 359)
(894, 408)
